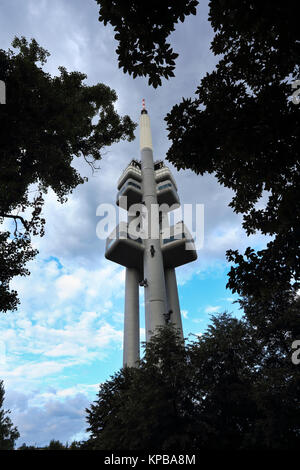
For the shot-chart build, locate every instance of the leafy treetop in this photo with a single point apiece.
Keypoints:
(46, 123)
(8, 432)
(142, 29)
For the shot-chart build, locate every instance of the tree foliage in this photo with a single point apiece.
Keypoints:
(46, 123)
(24, 446)
(243, 127)
(54, 445)
(228, 389)
(142, 29)
(137, 408)
(8, 432)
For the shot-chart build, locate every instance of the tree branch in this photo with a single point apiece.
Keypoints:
(15, 217)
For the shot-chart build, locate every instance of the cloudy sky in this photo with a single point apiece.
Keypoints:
(66, 336)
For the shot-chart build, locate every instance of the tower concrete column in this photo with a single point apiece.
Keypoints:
(131, 339)
(171, 287)
(155, 290)
(131, 346)
(173, 298)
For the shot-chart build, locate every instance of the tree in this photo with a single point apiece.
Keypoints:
(224, 362)
(227, 389)
(46, 123)
(145, 407)
(243, 128)
(275, 325)
(142, 29)
(55, 445)
(26, 447)
(76, 445)
(8, 433)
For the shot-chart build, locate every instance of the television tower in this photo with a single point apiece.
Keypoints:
(147, 246)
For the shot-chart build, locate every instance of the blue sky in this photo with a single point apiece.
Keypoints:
(66, 336)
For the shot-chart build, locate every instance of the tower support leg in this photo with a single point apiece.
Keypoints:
(131, 346)
(173, 299)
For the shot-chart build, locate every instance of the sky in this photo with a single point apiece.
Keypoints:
(66, 336)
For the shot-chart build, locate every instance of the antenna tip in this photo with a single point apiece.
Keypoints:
(144, 111)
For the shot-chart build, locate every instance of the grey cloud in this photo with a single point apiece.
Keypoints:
(54, 419)
(16, 400)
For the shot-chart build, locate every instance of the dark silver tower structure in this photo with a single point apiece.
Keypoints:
(153, 250)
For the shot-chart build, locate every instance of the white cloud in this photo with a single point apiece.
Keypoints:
(76, 343)
(212, 309)
(142, 339)
(55, 328)
(184, 313)
(228, 299)
(68, 286)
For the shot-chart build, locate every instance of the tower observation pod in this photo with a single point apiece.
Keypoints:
(147, 246)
